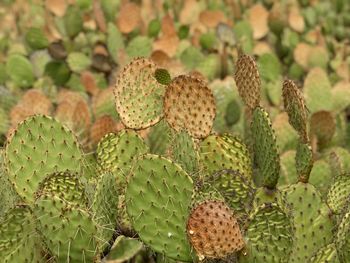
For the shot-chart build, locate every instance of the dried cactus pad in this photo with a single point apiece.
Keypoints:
(213, 230)
(248, 81)
(138, 95)
(190, 105)
(295, 106)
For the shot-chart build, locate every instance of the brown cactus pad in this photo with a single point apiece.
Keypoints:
(213, 230)
(248, 81)
(189, 105)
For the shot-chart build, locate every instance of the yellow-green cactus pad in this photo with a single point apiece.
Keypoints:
(138, 94)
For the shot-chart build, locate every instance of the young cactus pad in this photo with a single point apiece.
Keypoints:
(294, 104)
(189, 104)
(40, 146)
(265, 148)
(158, 197)
(248, 81)
(138, 94)
(213, 230)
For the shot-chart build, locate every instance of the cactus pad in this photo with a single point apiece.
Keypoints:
(294, 104)
(158, 196)
(189, 104)
(40, 146)
(237, 190)
(269, 235)
(342, 240)
(162, 76)
(63, 219)
(338, 194)
(326, 254)
(117, 153)
(138, 95)
(265, 148)
(248, 81)
(225, 152)
(19, 240)
(311, 221)
(214, 231)
(303, 161)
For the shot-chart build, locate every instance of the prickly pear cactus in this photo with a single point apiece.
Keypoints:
(237, 190)
(327, 254)
(190, 105)
(105, 208)
(117, 153)
(311, 220)
(342, 239)
(338, 194)
(265, 149)
(40, 146)
(138, 95)
(184, 151)
(248, 81)
(19, 240)
(269, 235)
(294, 104)
(159, 195)
(225, 152)
(61, 204)
(213, 230)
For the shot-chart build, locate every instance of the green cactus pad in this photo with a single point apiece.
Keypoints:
(20, 70)
(311, 220)
(19, 240)
(40, 146)
(303, 161)
(140, 46)
(321, 176)
(36, 38)
(269, 235)
(8, 196)
(105, 208)
(78, 61)
(226, 98)
(124, 249)
(159, 137)
(317, 90)
(288, 172)
(342, 240)
(248, 81)
(183, 151)
(114, 41)
(326, 254)
(225, 152)
(286, 136)
(117, 153)
(237, 190)
(295, 106)
(338, 194)
(162, 76)
(73, 21)
(265, 148)
(158, 197)
(65, 224)
(138, 95)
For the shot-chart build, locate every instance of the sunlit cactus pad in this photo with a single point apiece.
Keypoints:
(138, 94)
(189, 104)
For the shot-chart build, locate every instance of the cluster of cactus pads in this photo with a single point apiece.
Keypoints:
(185, 195)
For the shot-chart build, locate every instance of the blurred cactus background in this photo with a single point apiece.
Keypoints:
(168, 131)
